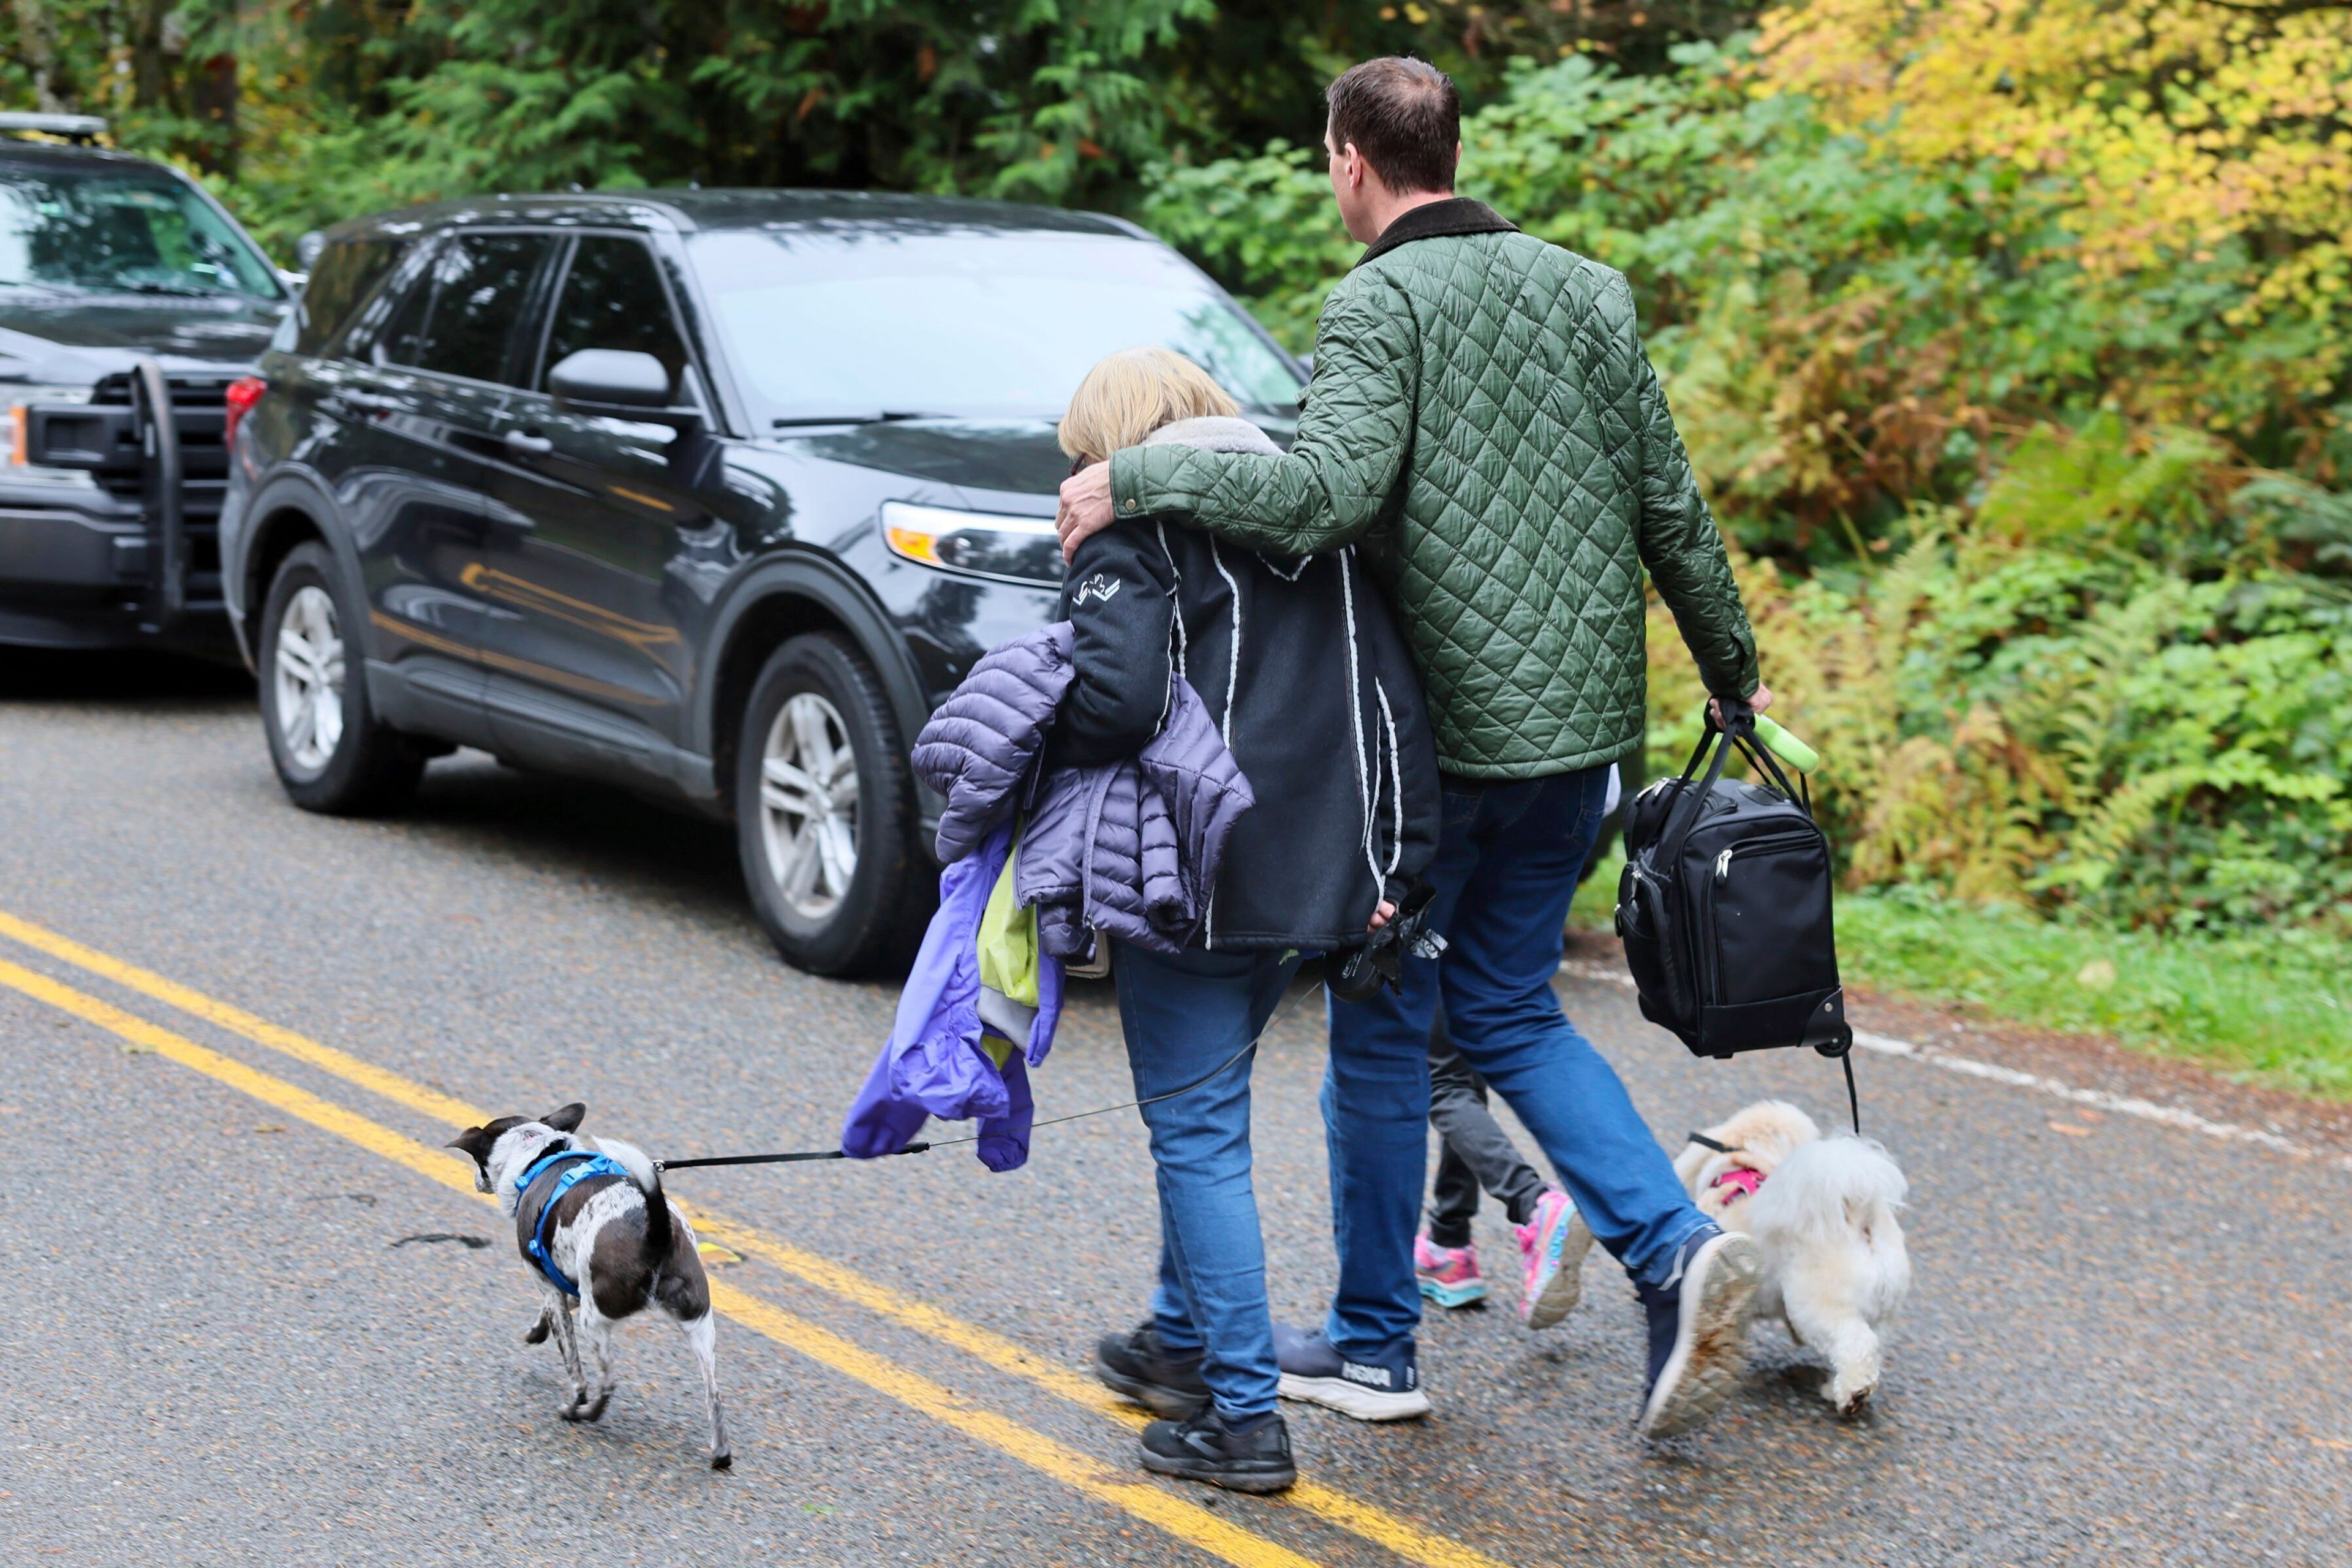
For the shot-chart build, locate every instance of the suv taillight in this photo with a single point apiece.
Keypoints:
(242, 395)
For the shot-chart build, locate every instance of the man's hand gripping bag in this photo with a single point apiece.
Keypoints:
(1723, 907)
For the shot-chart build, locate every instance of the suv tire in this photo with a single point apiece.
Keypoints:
(824, 812)
(330, 752)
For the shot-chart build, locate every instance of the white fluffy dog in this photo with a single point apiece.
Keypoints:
(1823, 1210)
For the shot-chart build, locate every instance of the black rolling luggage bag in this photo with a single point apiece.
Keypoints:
(1724, 906)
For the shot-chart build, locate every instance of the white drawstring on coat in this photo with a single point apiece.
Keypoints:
(1364, 787)
(1177, 646)
(1396, 783)
(1234, 655)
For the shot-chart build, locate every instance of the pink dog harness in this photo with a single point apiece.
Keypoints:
(1739, 1176)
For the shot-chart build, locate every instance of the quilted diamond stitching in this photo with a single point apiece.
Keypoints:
(1544, 475)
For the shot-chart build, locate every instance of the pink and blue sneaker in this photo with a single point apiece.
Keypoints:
(1552, 1245)
(1449, 1275)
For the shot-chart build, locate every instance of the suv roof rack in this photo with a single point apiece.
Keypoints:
(81, 129)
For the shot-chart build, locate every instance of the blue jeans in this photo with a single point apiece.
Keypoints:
(1184, 1015)
(1507, 861)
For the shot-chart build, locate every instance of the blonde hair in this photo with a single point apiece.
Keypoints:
(1131, 393)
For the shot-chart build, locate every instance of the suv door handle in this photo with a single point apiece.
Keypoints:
(368, 401)
(522, 443)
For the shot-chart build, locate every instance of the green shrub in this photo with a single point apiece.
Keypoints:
(2275, 1008)
(2068, 723)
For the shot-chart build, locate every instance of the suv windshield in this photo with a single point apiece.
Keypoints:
(115, 230)
(868, 322)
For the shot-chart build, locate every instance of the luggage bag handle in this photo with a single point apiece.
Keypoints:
(1749, 729)
(1738, 729)
(1685, 815)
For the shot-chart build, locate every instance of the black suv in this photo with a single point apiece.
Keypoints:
(130, 304)
(712, 493)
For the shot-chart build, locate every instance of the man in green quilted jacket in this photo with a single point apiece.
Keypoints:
(1483, 428)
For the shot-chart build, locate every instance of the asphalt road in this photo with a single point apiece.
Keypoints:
(233, 1338)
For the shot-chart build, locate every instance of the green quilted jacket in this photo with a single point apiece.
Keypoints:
(1483, 419)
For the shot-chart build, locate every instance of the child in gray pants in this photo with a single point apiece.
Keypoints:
(1477, 1153)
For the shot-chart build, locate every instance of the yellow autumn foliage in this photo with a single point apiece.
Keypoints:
(2167, 131)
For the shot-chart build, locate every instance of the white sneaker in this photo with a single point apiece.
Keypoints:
(1384, 1390)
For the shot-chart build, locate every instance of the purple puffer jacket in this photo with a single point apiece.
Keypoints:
(932, 1064)
(1129, 849)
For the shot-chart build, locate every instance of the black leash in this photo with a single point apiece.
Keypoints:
(778, 1159)
(795, 1157)
(1852, 1106)
(1846, 1060)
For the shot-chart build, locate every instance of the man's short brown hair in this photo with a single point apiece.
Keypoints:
(1404, 118)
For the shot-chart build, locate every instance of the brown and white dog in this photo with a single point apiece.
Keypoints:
(1823, 1211)
(602, 1227)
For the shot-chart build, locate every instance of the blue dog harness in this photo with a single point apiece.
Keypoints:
(587, 1163)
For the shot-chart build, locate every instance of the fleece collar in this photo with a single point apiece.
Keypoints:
(1456, 214)
(1215, 433)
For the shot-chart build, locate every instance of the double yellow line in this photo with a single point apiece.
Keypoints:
(1124, 1490)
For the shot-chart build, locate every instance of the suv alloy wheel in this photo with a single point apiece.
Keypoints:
(330, 754)
(808, 806)
(824, 811)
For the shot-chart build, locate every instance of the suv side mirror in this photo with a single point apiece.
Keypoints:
(616, 384)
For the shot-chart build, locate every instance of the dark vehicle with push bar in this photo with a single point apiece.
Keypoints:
(130, 306)
(712, 494)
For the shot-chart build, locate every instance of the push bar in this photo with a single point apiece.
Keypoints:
(159, 442)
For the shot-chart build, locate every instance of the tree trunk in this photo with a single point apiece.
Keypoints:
(38, 36)
(200, 53)
(151, 81)
(212, 96)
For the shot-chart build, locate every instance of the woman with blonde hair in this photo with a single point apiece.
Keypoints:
(1312, 690)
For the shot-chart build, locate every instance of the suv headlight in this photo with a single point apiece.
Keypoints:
(981, 543)
(19, 397)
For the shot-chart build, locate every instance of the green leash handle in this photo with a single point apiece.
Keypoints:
(1778, 741)
(1785, 746)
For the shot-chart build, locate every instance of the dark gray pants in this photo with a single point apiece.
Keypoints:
(1477, 1152)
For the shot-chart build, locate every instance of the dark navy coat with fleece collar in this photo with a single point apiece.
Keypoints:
(1305, 677)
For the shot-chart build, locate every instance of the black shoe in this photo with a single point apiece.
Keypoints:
(1698, 1330)
(1135, 1366)
(1255, 1457)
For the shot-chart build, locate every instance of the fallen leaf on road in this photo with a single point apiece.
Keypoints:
(2069, 1129)
(717, 1255)
(137, 1048)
